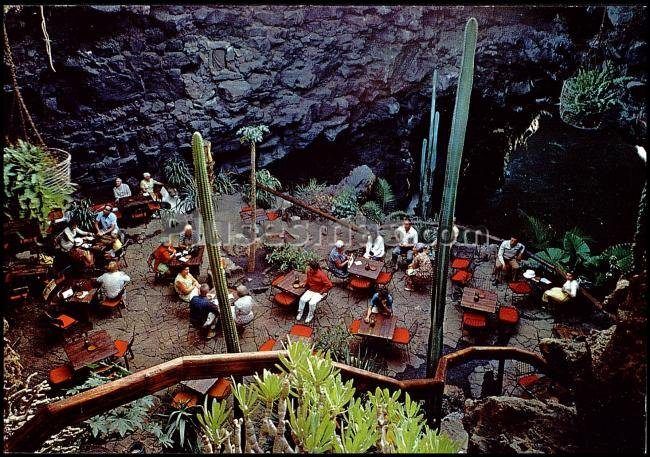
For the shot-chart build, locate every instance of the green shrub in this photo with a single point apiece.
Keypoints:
(373, 212)
(288, 257)
(313, 194)
(384, 194)
(82, 212)
(264, 199)
(539, 235)
(345, 204)
(225, 183)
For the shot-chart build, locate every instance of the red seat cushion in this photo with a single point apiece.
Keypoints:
(60, 375)
(67, 320)
(220, 389)
(360, 283)
(508, 315)
(460, 263)
(301, 330)
(354, 326)
(268, 345)
(529, 379)
(520, 287)
(112, 302)
(384, 278)
(121, 346)
(461, 276)
(474, 320)
(401, 335)
(284, 299)
(272, 215)
(277, 280)
(185, 398)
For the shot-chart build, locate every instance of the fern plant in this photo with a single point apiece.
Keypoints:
(372, 211)
(539, 234)
(264, 199)
(384, 195)
(345, 203)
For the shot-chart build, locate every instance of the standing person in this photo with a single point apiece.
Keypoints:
(407, 237)
(421, 269)
(204, 311)
(561, 294)
(338, 260)
(188, 238)
(159, 258)
(147, 185)
(106, 222)
(242, 309)
(380, 303)
(375, 245)
(318, 284)
(121, 190)
(510, 252)
(186, 285)
(113, 281)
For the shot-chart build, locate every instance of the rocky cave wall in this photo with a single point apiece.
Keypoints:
(344, 84)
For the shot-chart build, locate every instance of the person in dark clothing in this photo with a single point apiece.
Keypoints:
(203, 310)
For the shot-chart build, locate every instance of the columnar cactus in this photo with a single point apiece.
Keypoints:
(204, 195)
(429, 155)
(454, 156)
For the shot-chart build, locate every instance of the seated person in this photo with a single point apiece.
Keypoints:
(121, 190)
(338, 261)
(562, 294)
(106, 222)
(66, 238)
(510, 252)
(242, 309)
(203, 310)
(454, 235)
(115, 246)
(380, 303)
(161, 257)
(80, 256)
(407, 237)
(375, 245)
(421, 269)
(186, 286)
(147, 186)
(188, 238)
(318, 284)
(113, 281)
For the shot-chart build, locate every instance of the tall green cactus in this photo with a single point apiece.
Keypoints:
(454, 156)
(429, 155)
(204, 195)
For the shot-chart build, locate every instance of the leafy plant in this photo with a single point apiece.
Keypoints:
(28, 191)
(264, 199)
(178, 174)
(554, 256)
(384, 194)
(333, 340)
(345, 203)
(289, 257)
(314, 194)
(576, 247)
(539, 235)
(225, 183)
(373, 212)
(81, 211)
(181, 427)
(589, 94)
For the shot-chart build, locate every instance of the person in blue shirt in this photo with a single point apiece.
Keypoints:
(203, 310)
(106, 222)
(338, 261)
(380, 303)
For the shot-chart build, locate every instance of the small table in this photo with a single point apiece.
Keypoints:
(80, 357)
(360, 270)
(286, 285)
(200, 385)
(78, 286)
(194, 262)
(260, 215)
(384, 327)
(487, 302)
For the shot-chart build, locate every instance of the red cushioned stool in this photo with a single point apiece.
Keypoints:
(508, 315)
(460, 264)
(520, 287)
(474, 320)
(461, 277)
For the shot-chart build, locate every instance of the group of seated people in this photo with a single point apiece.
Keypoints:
(122, 189)
(159, 259)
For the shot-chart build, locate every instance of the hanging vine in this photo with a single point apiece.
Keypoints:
(46, 37)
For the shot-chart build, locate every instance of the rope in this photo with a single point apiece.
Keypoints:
(48, 49)
(12, 70)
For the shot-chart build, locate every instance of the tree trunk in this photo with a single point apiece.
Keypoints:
(251, 250)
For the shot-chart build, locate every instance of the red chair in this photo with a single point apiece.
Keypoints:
(60, 375)
(304, 331)
(358, 285)
(508, 315)
(526, 382)
(460, 264)
(113, 303)
(268, 345)
(354, 326)
(285, 299)
(519, 290)
(272, 215)
(384, 278)
(220, 389)
(186, 399)
(461, 277)
(404, 336)
(124, 348)
(62, 322)
(474, 320)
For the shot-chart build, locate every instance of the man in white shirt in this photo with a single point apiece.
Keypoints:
(564, 293)
(113, 281)
(121, 190)
(510, 252)
(407, 237)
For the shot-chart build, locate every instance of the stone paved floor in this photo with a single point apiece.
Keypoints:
(162, 332)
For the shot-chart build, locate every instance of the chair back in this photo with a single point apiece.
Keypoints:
(49, 288)
(132, 339)
(53, 320)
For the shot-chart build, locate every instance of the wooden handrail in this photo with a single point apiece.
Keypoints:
(53, 417)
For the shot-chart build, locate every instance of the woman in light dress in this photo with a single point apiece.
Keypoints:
(186, 285)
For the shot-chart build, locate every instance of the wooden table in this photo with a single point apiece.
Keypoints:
(79, 286)
(360, 270)
(193, 262)
(200, 385)
(384, 327)
(487, 302)
(260, 215)
(286, 285)
(80, 357)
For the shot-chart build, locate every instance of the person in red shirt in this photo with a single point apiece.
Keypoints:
(161, 257)
(318, 284)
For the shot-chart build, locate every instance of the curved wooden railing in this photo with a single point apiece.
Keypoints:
(53, 417)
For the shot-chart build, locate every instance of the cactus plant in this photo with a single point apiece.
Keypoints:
(454, 156)
(212, 242)
(429, 155)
